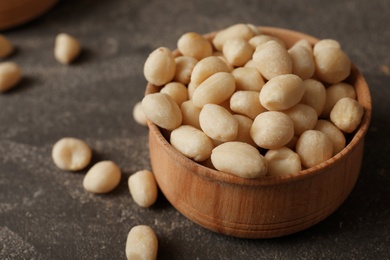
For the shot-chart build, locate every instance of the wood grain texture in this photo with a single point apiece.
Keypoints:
(265, 207)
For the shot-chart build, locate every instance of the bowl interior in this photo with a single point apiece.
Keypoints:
(356, 79)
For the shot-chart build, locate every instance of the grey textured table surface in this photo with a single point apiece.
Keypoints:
(46, 214)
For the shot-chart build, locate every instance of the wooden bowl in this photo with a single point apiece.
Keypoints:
(17, 12)
(265, 207)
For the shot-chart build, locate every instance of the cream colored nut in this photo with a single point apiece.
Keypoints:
(324, 44)
(303, 116)
(333, 133)
(315, 95)
(66, 48)
(143, 188)
(334, 93)
(194, 45)
(162, 110)
(207, 67)
(192, 143)
(6, 47)
(191, 89)
(190, 114)
(178, 91)
(218, 123)
(272, 60)
(347, 114)
(220, 55)
(141, 243)
(282, 162)
(313, 147)
(246, 103)
(332, 65)
(237, 51)
(139, 115)
(160, 67)
(214, 90)
(71, 154)
(302, 61)
(250, 64)
(238, 30)
(260, 39)
(103, 177)
(248, 79)
(240, 159)
(272, 129)
(292, 143)
(304, 43)
(10, 75)
(254, 28)
(243, 130)
(282, 92)
(184, 67)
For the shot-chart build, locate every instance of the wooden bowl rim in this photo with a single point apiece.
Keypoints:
(364, 99)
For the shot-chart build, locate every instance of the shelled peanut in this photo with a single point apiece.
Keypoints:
(253, 106)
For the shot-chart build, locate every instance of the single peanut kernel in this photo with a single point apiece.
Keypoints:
(66, 48)
(240, 159)
(160, 66)
(139, 115)
(10, 75)
(143, 188)
(103, 177)
(71, 154)
(141, 243)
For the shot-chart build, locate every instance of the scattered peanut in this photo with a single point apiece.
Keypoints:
(103, 177)
(6, 47)
(71, 154)
(66, 48)
(143, 188)
(10, 75)
(141, 243)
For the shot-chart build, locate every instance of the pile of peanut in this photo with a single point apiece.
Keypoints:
(246, 104)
